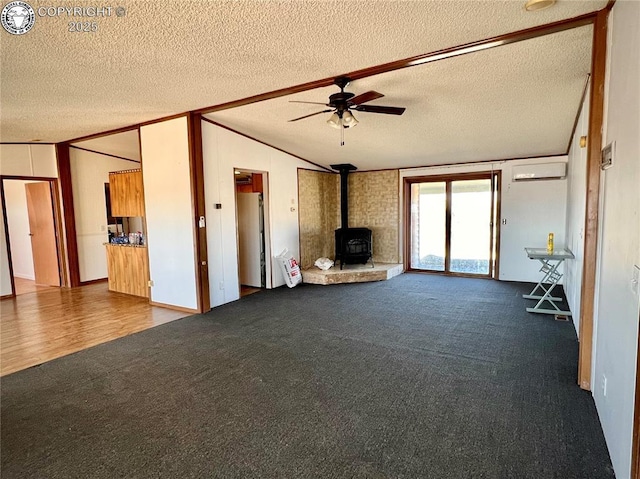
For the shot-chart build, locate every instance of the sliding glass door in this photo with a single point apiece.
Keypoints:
(470, 230)
(428, 217)
(451, 227)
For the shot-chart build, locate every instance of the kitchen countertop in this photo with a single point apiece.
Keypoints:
(126, 245)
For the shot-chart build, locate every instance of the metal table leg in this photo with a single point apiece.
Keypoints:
(551, 277)
(550, 271)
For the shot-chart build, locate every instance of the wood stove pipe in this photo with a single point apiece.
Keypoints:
(344, 170)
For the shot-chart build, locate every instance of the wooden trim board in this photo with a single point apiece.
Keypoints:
(196, 162)
(173, 307)
(472, 47)
(422, 59)
(263, 143)
(94, 281)
(494, 176)
(596, 118)
(104, 154)
(579, 112)
(57, 219)
(6, 237)
(66, 188)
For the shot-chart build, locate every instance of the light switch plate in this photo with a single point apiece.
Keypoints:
(635, 279)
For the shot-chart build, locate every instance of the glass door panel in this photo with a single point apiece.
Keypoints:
(428, 226)
(471, 208)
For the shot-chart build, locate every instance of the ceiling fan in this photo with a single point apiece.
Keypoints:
(343, 103)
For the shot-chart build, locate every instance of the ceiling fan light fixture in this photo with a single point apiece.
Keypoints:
(535, 5)
(334, 120)
(348, 120)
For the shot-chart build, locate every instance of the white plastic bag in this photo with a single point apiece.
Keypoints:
(290, 268)
(323, 263)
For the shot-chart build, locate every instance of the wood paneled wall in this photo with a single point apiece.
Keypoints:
(373, 203)
(319, 214)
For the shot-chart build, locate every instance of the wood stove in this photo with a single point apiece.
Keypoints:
(353, 245)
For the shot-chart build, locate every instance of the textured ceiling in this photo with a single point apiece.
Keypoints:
(166, 57)
(513, 101)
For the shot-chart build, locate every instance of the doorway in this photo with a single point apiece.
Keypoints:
(32, 223)
(452, 225)
(251, 221)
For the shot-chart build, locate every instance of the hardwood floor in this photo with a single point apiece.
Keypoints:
(50, 323)
(247, 290)
(24, 286)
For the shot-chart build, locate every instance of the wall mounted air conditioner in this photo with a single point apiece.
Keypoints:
(543, 171)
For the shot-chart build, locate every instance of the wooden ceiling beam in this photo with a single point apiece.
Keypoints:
(497, 41)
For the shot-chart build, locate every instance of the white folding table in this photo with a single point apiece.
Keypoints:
(550, 260)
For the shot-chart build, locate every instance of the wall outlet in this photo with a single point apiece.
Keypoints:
(604, 385)
(221, 285)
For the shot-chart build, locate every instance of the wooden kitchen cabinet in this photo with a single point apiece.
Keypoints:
(128, 269)
(126, 191)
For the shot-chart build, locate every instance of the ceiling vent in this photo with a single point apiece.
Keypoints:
(544, 171)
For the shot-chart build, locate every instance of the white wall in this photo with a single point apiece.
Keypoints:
(532, 210)
(170, 215)
(22, 160)
(89, 173)
(576, 205)
(18, 221)
(223, 151)
(618, 305)
(28, 160)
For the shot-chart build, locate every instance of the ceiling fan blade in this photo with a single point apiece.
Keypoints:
(308, 102)
(312, 114)
(389, 110)
(365, 97)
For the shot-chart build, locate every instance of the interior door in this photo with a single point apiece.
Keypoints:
(250, 241)
(42, 233)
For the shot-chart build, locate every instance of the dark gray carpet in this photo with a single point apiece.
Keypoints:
(421, 376)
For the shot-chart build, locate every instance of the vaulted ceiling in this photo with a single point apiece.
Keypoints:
(166, 57)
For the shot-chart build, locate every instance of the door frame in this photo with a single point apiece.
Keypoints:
(635, 441)
(251, 241)
(266, 208)
(496, 181)
(57, 223)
